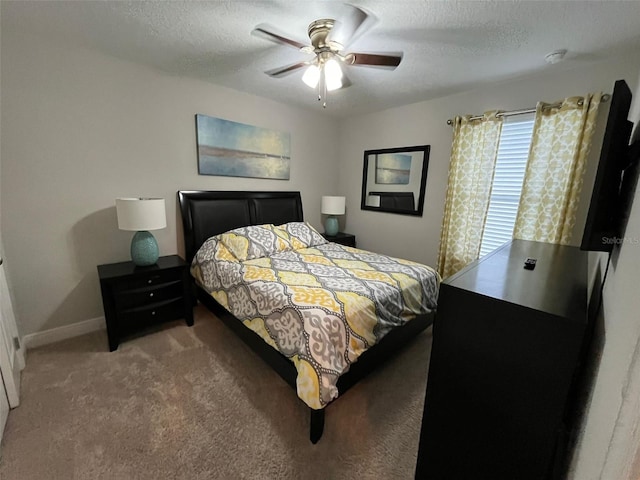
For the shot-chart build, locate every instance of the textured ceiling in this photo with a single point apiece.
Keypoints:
(449, 46)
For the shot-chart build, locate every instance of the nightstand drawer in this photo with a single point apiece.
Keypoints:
(138, 297)
(140, 317)
(148, 279)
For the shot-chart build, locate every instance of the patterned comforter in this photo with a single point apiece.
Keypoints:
(320, 304)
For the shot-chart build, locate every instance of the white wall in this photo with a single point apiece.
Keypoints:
(418, 238)
(611, 435)
(79, 130)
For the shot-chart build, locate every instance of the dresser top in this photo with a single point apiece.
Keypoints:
(557, 285)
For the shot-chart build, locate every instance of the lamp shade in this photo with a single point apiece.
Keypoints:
(332, 74)
(141, 214)
(333, 205)
(311, 76)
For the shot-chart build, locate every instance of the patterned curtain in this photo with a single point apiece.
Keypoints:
(557, 159)
(473, 158)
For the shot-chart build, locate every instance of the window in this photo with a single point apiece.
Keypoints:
(513, 151)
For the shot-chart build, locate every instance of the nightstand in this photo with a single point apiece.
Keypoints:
(342, 238)
(137, 297)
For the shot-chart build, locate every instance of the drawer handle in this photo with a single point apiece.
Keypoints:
(151, 294)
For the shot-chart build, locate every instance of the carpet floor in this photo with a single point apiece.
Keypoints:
(196, 403)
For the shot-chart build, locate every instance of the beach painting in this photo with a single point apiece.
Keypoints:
(393, 168)
(233, 149)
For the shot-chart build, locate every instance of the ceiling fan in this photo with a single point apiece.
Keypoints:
(329, 38)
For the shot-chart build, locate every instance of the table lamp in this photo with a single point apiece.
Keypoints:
(141, 215)
(332, 206)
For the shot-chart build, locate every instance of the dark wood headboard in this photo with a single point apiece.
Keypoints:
(396, 200)
(208, 213)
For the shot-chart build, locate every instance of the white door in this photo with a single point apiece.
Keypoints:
(11, 355)
(11, 351)
(4, 408)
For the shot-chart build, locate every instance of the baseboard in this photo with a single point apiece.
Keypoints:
(53, 335)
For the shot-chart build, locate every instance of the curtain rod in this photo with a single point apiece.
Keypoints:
(605, 98)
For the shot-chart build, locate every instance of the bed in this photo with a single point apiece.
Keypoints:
(215, 224)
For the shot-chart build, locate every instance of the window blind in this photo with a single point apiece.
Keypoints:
(511, 163)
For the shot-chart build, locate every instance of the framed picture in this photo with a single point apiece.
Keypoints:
(233, 149)
(393, 168)
(394, 180)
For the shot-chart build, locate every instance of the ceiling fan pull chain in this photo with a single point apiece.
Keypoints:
(324, 88)
(324, 104)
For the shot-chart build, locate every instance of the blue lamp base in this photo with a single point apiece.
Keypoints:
(144, 249)
(331, 226)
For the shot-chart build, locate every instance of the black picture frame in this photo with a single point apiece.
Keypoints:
(404, 199)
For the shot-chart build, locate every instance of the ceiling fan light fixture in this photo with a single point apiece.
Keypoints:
(329, 37)
(334, 84)
(333, 74)
(311, 76)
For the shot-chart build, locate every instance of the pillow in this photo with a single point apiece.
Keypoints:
(255, 241)
(302, 235)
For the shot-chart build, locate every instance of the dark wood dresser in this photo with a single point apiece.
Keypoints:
(508, 344)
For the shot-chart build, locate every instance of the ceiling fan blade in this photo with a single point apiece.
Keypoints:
(351, 25)
(284, 71)
(379, 60)
(273, 35)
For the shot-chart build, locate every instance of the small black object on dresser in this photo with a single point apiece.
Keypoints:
(137, 297)
(342, 238)
(508, 347)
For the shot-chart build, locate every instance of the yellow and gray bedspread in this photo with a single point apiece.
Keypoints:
(318, 303)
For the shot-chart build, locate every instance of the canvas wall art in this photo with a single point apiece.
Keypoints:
(393, 168)
(234, 149)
